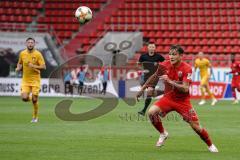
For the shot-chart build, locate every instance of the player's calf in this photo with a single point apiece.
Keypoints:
(154, 117)
(153, 114)
(35, 109)
(203, 134)
(34, 99)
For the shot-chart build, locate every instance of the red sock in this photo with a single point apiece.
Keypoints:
(234, 93)
(157, 123)
(205, 137)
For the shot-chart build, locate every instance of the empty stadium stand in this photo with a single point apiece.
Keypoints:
(211, 27)
(19, 11)
(59, 14)
(198, 25)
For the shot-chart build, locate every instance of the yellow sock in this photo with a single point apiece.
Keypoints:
(35, 110)
(210, 93)
(202, 92)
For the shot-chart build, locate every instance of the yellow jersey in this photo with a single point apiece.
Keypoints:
(31, 77)
(203, 65)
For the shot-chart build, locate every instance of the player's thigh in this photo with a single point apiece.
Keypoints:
(154, 109)
(35, 91)
(162, 106)
(25, 91)
(236, 83)
(186, 110)
(204, 81)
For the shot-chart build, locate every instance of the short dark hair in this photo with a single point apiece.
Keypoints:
(178, 48)
(150, 42)
(30, 38)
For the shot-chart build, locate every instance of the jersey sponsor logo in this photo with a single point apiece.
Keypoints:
(180, 74)
(33, 59)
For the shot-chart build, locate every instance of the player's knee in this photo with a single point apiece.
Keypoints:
(34, 100)
(202, 86)
(152, 111)
(25, 99)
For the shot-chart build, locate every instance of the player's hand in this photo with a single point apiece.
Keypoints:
(165, 78)
(31, 65)
(236, 74)
(139, 94)
(18, 69)
(150, 91)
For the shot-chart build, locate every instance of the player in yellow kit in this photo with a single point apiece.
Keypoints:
(31, 62)
(204, 65)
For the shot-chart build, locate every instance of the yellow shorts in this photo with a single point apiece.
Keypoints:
(30, 89)
(204, 80)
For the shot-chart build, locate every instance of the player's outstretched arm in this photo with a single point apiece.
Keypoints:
(230, 72)
(151, 82)
(148, 83)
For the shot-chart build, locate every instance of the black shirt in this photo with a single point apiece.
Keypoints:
(149, 63)
(147, 58)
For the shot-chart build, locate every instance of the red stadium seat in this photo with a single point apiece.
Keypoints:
(11, 18)
(28, 19)
(197, 25)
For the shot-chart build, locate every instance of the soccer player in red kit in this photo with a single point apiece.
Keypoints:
(235, 85)
(176, 74)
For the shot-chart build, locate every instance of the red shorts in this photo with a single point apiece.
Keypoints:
(184, 108)
(236, 82)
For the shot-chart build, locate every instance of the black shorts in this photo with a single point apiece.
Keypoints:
(81, 84)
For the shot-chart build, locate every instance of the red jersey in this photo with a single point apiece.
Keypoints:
(179, 74)
(235, 67)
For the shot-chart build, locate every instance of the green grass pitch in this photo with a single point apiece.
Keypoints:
(118, 135)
